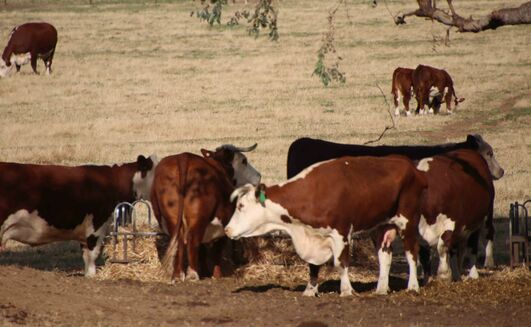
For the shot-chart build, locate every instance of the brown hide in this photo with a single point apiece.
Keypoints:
(190, 191)
(359, 191)
(426, 77)
(402, 82)
(459, 186)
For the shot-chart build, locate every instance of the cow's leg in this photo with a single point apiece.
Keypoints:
(33, 59)
(344, 262)
(312, 286)
(407, 98)
(442, 249)
(18, 67)
(457, 255)
(396, 99)
(448, 100)
(384, 238)
(91, 251)
(195, 236)
(425, 261)
(472, 245)
(411, 248)
(489, 237)
(48, 62)
(178, 269)
(217, 253)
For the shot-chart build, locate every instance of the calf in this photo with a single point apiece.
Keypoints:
(424, 79)
(323, 205)
(27, 43)
(305, 152)
(402, 85)
(41, 204)
(458, 200)
(190, 197)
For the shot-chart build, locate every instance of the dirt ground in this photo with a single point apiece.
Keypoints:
(43, 298)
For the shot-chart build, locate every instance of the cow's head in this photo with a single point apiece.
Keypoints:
(5, 67)
(486, 151)
(143, 177)
(235, 162)
(457, 101)
(435, 99)
(251, 216)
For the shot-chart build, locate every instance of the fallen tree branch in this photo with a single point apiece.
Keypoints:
(390, 115)
(497, 18)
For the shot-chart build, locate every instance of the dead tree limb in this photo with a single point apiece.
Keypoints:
(390, 115)
(497, 18)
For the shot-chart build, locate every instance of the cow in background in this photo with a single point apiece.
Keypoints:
(41, 204)
(427, 79)
(402, 84)
(190, 199)
(27, 43)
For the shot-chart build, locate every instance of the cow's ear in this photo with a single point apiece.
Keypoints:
(206, 153)
(472, 140)
(260, 191)
(143, 163)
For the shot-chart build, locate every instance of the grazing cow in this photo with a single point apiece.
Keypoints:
(27, 43)
(458, 200)
(424, 79)
(323, 205)
(190, 198)
(40, 204)
(305, 152)
(402, 85)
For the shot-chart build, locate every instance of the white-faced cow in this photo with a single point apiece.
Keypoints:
(402, 85)
(40, 204)
(325, 204)
(458, 200)
(305, 152)
(426, 79)
(190, 198)
(27, 43)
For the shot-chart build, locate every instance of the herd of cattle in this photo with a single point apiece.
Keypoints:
(437, 196)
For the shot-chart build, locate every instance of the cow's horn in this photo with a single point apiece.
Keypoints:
(247, 149)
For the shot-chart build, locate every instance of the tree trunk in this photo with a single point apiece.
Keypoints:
(497, 18)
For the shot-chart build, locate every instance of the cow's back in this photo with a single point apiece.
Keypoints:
(39, 38)
(347, 188)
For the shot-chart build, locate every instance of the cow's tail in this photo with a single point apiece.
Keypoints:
(168, 262)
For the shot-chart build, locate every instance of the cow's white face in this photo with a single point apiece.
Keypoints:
(486, 151)
(243, 171)
(250, 217)
(20, 59)
(143, 179)
(4, 69)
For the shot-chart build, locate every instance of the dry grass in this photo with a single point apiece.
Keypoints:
(136, 77)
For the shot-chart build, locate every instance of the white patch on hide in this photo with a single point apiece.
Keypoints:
(424, 164)
(213, 231)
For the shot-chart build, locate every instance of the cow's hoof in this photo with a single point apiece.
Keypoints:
(382, 291)
(192, 275)
(347, 293)
(473, 274)
(310, 291)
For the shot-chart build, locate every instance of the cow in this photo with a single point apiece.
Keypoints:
(458, 200)
(190, 198)
(321, 207)
(41, 204)
(305, 152)
(27, 43)
(402, 84)
(426, 79)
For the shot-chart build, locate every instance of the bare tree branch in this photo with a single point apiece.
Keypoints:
(497, 18)
(390, 115)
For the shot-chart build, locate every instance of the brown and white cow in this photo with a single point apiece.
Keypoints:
(190, 198)
(425, 80)
(402, 85)
(40, 204)
(457, 203)
(27, 43)
(322, 206)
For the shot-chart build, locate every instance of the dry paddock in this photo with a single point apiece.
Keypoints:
(134, 77)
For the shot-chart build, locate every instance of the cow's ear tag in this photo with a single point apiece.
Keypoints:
(262, 198)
